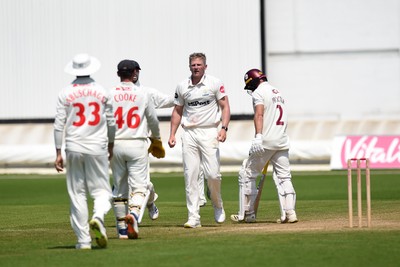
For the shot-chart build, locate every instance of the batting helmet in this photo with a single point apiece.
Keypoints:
(252, 79)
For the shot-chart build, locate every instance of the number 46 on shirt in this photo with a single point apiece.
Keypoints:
(132, 119)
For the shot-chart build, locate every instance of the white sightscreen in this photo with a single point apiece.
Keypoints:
(330, 58)
(38, 38)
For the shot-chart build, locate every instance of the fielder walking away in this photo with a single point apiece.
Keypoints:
(85, 112)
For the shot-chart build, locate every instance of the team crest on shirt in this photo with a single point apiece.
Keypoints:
(206, 92)
(222, 89)
(176, 95)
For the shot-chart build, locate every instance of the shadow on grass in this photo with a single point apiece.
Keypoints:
(73, 247)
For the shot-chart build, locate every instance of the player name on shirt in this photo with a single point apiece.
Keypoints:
(278, 99)
(125, 97)
(85, 92)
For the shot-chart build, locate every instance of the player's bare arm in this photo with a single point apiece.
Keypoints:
(259, 119)
(226, 116)
(175, 121)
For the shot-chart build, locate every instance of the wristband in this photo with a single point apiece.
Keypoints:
(225, 128)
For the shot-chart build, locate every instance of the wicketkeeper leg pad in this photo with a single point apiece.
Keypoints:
(138, 202)
(120, 211)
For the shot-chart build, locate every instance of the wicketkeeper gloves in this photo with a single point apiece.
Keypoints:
(156, 148)
(256, 146)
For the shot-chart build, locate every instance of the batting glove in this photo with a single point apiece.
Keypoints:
(156, 148)
(256, 146)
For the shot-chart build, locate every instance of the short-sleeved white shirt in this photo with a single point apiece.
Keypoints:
(200, 101)
(85, 110)
(160, 100)
(134, 112)
(275, 116)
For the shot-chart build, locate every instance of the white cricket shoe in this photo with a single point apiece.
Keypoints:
(83, 246)
(202, 203)
(192, 224)
(99, 230)
(123, 233)
(153, 211)
(219, 215)
(291, 216)
(133, 228)
(249, 218)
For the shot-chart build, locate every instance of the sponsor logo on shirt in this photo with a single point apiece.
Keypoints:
(198, 103)
(124, 88)
(222, 89)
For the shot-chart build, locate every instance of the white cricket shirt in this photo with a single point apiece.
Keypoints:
(159, 99)
(200, 101)
(275, 116)
(134, 112)
(84, 110)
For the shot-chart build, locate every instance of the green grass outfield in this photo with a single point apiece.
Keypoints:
(35, 229)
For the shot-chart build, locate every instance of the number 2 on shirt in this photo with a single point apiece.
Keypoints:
(279, 122)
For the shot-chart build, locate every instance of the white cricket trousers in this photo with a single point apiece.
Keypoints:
(87, 175)
(200, 147)
(279, 159)
(130, 168)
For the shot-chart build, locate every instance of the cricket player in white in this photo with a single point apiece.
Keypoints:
(85, 112)
(271, 144)
(161, 100)
(135, 117)
(200, 105)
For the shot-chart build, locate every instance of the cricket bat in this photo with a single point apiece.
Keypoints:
(260, 188)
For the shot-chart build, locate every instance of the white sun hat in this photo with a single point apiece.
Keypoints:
(82, 65)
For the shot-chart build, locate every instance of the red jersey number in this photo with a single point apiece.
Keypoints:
(132, 119)
(80, 113)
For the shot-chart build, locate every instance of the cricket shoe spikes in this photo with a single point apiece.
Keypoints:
(133, 228)
(99, 230)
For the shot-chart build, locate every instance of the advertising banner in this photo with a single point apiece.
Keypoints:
(383, 151)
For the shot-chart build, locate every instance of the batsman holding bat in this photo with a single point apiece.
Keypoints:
(271, 144)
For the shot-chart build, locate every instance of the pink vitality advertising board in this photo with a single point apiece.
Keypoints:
(383, 151)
